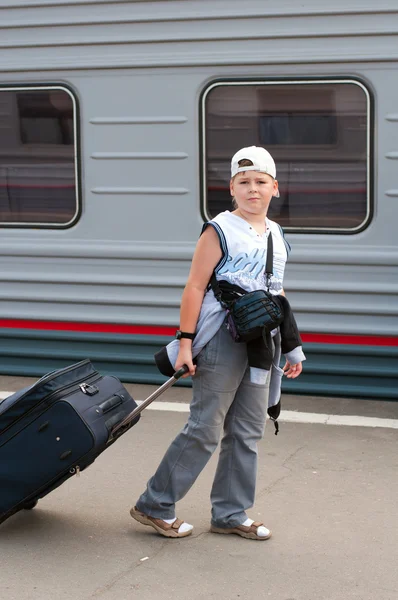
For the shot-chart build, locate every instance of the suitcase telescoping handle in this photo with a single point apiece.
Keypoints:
(127, 420)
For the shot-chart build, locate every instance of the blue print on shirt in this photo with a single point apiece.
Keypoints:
(252, 264)
(245, 269)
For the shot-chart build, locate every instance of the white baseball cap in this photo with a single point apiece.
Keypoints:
(261, 159)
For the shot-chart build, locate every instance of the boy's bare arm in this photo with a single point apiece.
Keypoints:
(206, 257)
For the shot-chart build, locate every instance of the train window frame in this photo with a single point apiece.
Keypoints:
(274, 81)
(21, 87)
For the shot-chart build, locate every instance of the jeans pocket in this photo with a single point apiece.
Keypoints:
(208, 356)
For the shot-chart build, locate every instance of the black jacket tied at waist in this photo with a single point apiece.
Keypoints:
(260, 350)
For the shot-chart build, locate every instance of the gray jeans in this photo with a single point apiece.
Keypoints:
(225, 400)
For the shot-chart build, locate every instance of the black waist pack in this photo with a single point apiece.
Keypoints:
(253, 315)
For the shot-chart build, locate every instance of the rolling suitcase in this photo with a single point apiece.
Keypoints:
(57, 427)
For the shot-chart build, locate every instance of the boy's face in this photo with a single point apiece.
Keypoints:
(253, 191)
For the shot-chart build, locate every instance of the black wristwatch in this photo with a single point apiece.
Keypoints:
(184, 334)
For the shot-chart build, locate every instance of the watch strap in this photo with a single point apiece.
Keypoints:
(184, 334)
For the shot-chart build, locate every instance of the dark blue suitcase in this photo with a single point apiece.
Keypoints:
(57, 427)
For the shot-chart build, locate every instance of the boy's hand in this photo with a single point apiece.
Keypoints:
(185, 358)
(292, 371)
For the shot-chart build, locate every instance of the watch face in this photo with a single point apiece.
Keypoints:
(178, 335)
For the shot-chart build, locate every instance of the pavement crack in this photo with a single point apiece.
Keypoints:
(269, 487)
(292, 455)
(136, 564)
(127, 571)
(387, 589)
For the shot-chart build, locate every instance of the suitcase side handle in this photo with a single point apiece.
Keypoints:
(127, 420)
(111, 403)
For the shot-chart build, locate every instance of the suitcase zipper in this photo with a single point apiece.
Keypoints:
(50, 376)
(75, 470)
(72, 470)
(77, 385)
(73, 388)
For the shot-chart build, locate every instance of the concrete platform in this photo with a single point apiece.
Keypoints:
(290, 402)
(328, 493)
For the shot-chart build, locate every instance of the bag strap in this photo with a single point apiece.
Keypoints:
(216, 289)
(269, 265)
(269, 271)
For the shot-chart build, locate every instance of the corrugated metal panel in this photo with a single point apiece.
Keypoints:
(191, 32)
(343, 371)
(350, 371)
(127, 258)
(155, 29)
(34, 353)
(141, 283)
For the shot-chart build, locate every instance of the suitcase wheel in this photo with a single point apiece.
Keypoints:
(30, 505)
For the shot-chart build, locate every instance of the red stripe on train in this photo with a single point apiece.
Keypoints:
(351, 340)
(87, 327)
(316, 338)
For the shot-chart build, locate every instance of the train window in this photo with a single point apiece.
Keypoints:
(318, 133)
(38, 170)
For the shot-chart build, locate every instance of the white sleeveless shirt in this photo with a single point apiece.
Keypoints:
(245, 253)
(243, 263)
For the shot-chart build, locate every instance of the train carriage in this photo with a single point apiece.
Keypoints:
(117, 122)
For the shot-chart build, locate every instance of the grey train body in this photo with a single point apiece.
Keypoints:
(152, 87)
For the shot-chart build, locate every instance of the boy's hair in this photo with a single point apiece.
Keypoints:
(245, 162)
